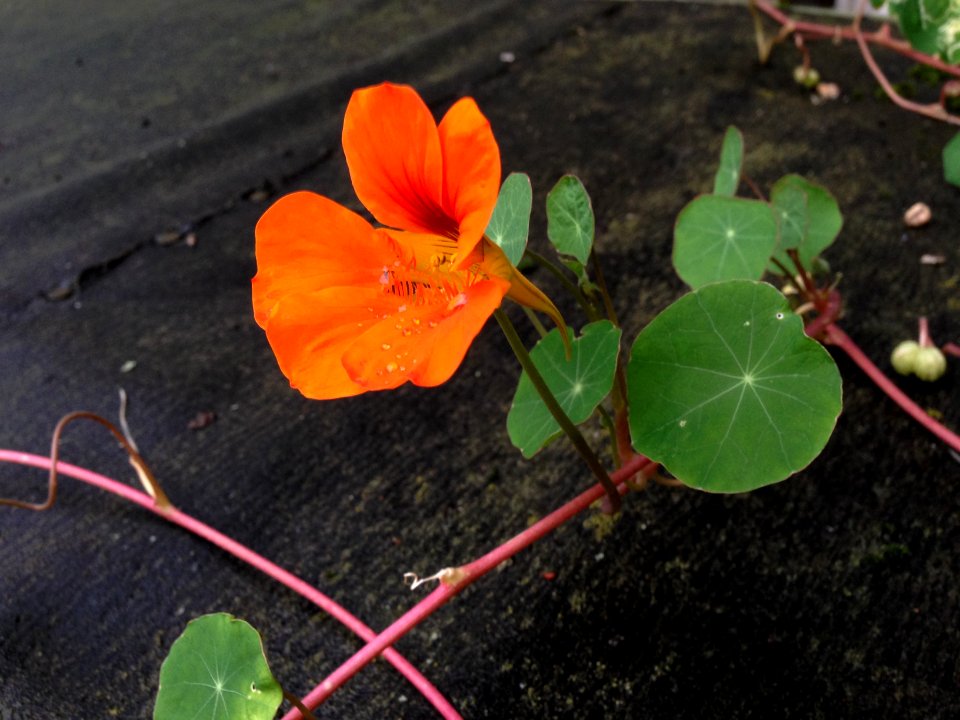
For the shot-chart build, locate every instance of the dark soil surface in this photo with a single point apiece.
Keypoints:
(833, 594)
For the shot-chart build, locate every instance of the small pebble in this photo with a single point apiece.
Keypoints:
(917, 215)
(202, 420)
(828, 90)
(167, 237)
(61, 292)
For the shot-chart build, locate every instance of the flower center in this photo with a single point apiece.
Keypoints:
(425, 272)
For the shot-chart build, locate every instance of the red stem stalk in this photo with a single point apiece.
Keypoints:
(248, 556)
(461, 578)
(834, 335)
(923, 332)
(882, 37)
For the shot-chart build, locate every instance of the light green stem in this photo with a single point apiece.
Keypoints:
(611, 427)
(558, 272)
(535, 321)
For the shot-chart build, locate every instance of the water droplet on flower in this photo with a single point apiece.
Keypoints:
(385, 346)
(458, 302)
(385, 276)
(432, 323)
(391, 367)
(402, 308)
(402, 368)
(416, 321)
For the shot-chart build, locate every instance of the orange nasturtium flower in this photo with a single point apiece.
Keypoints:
(349, 308)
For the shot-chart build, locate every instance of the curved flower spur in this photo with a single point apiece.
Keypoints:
(348, 307)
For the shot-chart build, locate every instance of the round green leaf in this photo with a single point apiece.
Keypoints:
(509, 225)
(726, 390)
(570, 222)
(579, 384)
(723, 238)
(790, 202)
(216, 670)
(727, 179)
(810, 218)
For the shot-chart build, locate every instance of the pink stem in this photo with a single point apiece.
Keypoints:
(951, 349)
(934, 110)
(882, 37)
(838, 337)
(245, 554)
(923, 332)
(829, 310)
(464, 576)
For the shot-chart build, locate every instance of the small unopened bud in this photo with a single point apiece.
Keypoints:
(930, 364)
(808, 77)
(917, 215)
(904, 357)
(819, 266)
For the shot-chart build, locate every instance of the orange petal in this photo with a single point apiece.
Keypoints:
(393, 153)
(425, 344)
(307, 243)
(471, 171)
(310, 333)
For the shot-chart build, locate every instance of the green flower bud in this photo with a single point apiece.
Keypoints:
(904, 357)
(819, 266)
(929, 364)
(808, 77)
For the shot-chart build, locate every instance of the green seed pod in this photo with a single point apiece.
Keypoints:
(904, 357)
(808, 77)
(929, 364)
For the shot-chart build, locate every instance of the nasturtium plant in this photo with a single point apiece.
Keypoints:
(509, 225)
(579, 384)
(723, 238)
(726, 390)
(727, 179)
(810, 218)
(718, 237)
(216, 670)
(570, 221)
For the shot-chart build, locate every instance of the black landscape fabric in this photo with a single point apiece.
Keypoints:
(139, 144)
